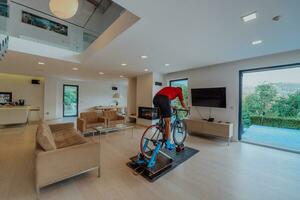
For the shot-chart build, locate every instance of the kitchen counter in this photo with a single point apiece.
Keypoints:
(13, 114)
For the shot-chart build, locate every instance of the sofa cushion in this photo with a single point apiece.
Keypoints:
(44, 137)
(111, 114)
(61, 134)
(93, 125)
(67, 137)
(90, 117)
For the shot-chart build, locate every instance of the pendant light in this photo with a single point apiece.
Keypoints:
(64, 9)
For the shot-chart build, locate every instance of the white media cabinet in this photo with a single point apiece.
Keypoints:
(217, 129)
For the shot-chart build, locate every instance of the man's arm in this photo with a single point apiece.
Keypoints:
(180, 96)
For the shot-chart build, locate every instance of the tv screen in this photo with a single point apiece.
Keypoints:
(209, 97)
(5, 97)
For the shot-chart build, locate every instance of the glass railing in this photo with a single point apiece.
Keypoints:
(3, 45)
(35, 24)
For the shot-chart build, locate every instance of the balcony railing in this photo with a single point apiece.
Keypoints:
(3, 46)
(20, 20)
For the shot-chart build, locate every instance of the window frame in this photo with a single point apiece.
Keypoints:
(77, 100)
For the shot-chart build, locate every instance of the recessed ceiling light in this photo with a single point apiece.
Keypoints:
(101, 73)
(75, 69)
(144, 57)
(250, 17)
(41, 63)
(121, 76)
(146, 70)
(257, 42)
(167, 65)
(124, 64)
(276, 18)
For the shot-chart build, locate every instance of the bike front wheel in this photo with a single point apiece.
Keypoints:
(179, 132)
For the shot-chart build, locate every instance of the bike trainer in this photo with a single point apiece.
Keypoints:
(164, 163)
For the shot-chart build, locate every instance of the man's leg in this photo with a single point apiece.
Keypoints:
(167, 127)
(169, 145)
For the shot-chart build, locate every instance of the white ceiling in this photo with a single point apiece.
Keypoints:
(186, 34)
(20, 63)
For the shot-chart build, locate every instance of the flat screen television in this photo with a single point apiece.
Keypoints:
(5, 97)
(209, 97)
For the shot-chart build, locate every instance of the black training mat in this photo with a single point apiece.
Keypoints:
(163, 165)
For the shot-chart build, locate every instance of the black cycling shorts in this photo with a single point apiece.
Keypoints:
(164, 104)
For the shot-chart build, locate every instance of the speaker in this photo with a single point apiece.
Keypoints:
(35, 81)
(114, 88)
(158, 83)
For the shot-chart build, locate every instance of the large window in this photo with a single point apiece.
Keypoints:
(183, 83)
(270, 107)
(70, 101)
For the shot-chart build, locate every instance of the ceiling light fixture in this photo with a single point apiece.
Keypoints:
(257, 42)
(276, 18)
(167, 65)
(41, 63)
(64, 9)
(250, 17)
(144, 57)
(121, 76)
(124, 64)
(101, 73)
(146, 70)
(75, 69)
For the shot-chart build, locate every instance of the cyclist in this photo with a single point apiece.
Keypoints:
(162, 100)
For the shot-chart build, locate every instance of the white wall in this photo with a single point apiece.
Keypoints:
(21, 88)
(91, 93)
(227, 75)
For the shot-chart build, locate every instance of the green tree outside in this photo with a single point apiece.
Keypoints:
(265, 101)
(184, 85)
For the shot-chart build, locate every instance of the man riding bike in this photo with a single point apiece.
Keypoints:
(162, 100)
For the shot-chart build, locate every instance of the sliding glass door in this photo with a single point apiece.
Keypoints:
(70, 100)
(270, 107)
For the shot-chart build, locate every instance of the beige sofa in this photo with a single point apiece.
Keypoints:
(89, 120)
(112, 118)
(62, 153)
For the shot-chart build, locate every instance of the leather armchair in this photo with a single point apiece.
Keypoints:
(89, 120)
(112, 118)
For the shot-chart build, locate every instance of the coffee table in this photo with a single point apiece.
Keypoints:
(118, 127)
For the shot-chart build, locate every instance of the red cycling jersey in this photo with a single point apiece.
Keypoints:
(172, 93)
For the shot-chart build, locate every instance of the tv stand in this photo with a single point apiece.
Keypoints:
(204, 127)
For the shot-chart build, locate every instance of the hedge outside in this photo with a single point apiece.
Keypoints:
(276, 122)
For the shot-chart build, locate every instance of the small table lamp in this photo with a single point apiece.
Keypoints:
(116, 96)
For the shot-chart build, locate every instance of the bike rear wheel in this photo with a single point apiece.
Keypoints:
(150, 139)
(179, 132)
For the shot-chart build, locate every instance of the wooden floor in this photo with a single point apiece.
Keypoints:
(218, 172)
